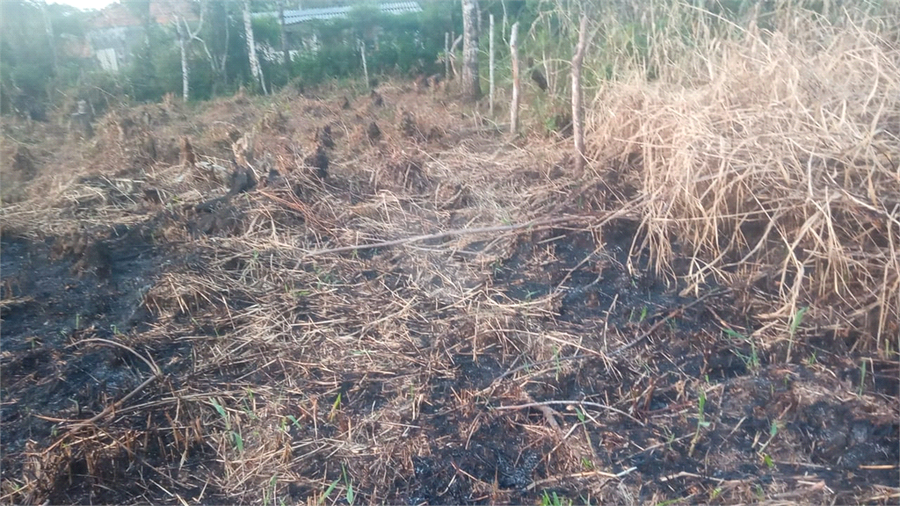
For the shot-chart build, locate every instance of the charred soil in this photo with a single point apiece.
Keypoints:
(167, 338)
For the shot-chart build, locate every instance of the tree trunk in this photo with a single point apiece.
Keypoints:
(470, 86)
(185, 71)
(251, 48)
(577, 109)
(223, 63)
(491, 65)
(505, 19)
(284, 49)
(362, 51)
(51, 39)
(453, 46)
(514, 54)
(446, 56)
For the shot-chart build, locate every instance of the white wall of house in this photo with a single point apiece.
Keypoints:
(112, 46)
(108, 59)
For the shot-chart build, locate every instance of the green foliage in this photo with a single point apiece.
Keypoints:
(33, 62)
(404, 44)
(553, 499)
(156, 66)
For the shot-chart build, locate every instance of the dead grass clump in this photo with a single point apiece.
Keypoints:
(23, 163)
(324, 137)
(409, 128)
(188, 158)
(274, 122)
(405, 171)
(218, 138)
(373, 133)
(779, 163)
(318, 160)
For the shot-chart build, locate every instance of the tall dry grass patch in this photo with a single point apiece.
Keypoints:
(771, 156)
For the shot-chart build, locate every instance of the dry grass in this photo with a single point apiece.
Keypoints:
(281, 369)
(771, 158)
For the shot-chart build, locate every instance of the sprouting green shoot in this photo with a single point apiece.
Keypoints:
(238, 441)
(328, 491)
(219, 408)
(795, 323)
(798, 317)
(335, 407)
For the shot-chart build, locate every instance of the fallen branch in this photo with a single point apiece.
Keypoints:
(157, 374)
(570, 403)
(112, 407)
(585, 474)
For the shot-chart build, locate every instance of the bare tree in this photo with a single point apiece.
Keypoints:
(219, 64)
(471, 88)
(185, 79)
(251, 48)
(185, 35)
(577, 109)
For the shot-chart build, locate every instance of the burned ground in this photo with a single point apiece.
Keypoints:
(166, 340)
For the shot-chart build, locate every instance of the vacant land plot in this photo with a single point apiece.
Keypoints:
(302, 299)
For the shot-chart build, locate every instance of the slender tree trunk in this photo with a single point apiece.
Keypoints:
(577, 109)
(446, 56)
(223, 64)
(491, 64)
(284, 48)
(185, 71)
(470, 86)
(514, 53)
(505, 19)
(453, 47)
(362, 51)
(251, 48)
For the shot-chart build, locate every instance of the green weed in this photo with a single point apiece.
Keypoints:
(553, 499)
(795, 324)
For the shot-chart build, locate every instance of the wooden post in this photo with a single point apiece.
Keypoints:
(577, 110)
(514, 108)
(491, 64)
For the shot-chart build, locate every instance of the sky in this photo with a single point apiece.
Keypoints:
(84, 4)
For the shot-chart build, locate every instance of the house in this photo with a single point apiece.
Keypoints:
(115, 30)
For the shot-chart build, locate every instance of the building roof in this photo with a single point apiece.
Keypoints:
(292, 17)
